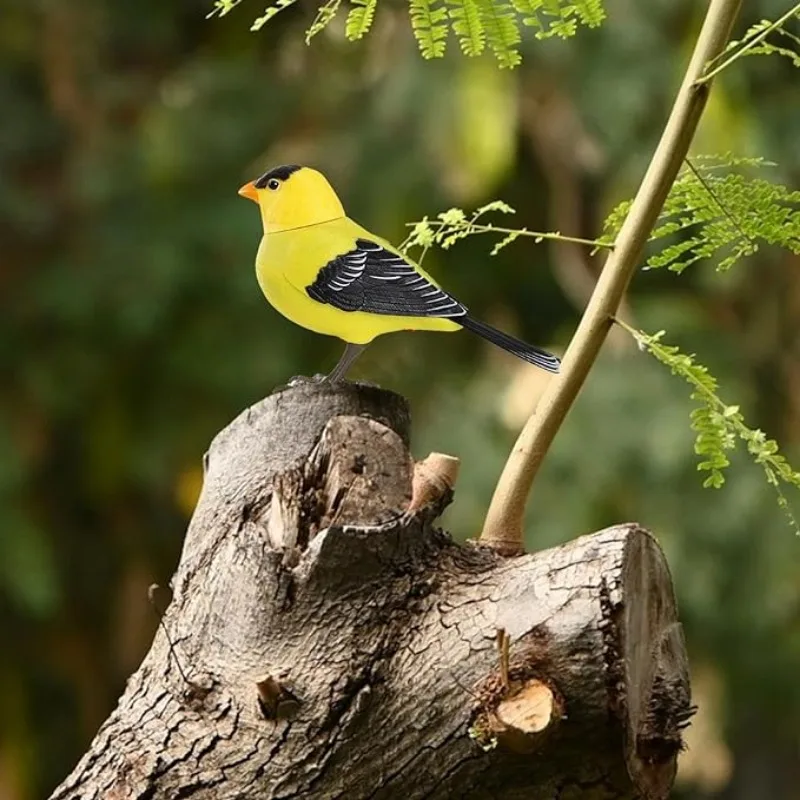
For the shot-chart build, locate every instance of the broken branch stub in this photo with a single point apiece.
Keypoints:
(433, 483)
(348, 648)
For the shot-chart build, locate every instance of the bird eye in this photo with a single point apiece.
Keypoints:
(273, 183)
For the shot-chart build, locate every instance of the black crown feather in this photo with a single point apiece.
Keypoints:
(281, 173)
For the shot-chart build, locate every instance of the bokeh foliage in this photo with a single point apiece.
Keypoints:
(477, 24)
(133, 330)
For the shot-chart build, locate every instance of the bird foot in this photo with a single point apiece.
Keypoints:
(299, 380)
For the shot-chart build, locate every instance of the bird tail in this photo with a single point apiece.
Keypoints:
(533, 355)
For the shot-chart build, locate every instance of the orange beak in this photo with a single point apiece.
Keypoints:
(249, 191)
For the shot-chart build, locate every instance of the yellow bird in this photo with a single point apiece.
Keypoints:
(326, 273)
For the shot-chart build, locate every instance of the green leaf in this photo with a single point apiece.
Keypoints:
(754, 43)
(509, 239)
(467, 26)
(721, 212)
(430, 28)
(270, 12)
(325, 13)
(359, 20)
(502, 31)
(718, 426)
(475, 23)
(557, 18)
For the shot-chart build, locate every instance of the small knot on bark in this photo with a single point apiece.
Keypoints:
(275, 700)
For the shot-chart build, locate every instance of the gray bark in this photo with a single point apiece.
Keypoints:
(336, 646)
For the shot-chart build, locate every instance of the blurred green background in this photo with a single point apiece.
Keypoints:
(133, 328)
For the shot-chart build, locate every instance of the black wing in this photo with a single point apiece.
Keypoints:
(372, 278)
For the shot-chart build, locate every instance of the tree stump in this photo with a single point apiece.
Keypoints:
(330, 642)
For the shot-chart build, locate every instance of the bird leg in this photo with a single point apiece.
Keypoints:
(299, 380)
(351, 353)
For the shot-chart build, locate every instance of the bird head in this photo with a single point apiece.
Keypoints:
(292, 197)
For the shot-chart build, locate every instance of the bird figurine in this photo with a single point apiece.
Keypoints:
(324, 272)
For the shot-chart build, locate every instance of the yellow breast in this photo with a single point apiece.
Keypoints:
(289, 261)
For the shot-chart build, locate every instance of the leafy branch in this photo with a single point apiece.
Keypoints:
(719, 214)
(718, 426)
(452, 225)
(754, 43)
(474, 23)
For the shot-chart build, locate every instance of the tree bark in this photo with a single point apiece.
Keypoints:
(330, 642)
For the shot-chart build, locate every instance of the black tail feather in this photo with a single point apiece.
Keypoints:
(533, 355)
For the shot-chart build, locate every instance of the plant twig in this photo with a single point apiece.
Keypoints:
(472, 228)
(503, 649)
(749, 46)
(503, 526)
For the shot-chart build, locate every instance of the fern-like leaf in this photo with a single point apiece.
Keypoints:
(325, 13)
(467, 25)
(222, 7)
(359, 20)
(754, 42)
(719, 426)
(723, 214)
(453, 225)
(475, 23)
(270, 12)
(754, 30)
(590, 12)
(502, 31)
(769, 49)
(430, 27)
(558, 18)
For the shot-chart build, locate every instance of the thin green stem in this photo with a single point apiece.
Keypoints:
(558, 237)
(749, 46)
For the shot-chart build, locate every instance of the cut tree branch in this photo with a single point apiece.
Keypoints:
(335, 643)
(503, 528)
